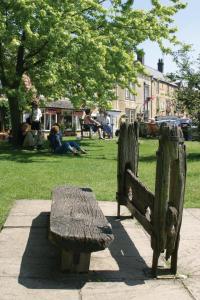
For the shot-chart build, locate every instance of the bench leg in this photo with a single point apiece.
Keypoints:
(118, 210)
(155, 263)
(75, 262)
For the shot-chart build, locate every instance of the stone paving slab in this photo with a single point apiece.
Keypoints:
(189, 261)
(141, 290)
(16, 221)
(193, 286)
(37, 289)
(194, 212)
(29, 263)
(29, 208)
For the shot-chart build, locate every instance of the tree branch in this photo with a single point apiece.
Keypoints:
(20, 56)
(3, 75)
(87, 8)
(38, 62)
(37, 51)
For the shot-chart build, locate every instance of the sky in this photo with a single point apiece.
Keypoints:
(188, 23)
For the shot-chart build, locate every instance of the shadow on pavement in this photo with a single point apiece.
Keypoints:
(40, 265)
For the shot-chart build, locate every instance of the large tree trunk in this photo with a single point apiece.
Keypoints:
(198, 117)
(15, 116)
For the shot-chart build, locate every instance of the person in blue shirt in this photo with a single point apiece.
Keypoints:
(60, 147)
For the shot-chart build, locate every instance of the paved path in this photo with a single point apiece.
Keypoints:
(29, 264)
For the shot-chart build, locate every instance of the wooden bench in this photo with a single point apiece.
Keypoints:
(78, 227)
(86, 131)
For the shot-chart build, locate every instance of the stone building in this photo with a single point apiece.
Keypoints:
(154, 96)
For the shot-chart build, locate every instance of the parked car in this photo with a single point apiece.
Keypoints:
(185, 124)
(169, 120)
(151, 129)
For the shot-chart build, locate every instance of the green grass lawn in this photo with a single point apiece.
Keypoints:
(147, 168)
(32, 174)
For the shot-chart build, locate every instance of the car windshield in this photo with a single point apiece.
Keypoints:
(172, 120)
(188, 121)
(167, 118)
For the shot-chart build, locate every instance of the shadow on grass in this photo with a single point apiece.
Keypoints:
(7, 152)
(90, 145)
(103, 157)
(193, 157)
(22, 156)
(40, 265)
(150, 158)
(25, 156)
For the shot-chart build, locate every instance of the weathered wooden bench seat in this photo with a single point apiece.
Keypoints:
(77, 226)
(86, 131)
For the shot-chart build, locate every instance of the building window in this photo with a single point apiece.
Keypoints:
(116, 91)
(168, 90)
(157, 105)
(146, 100)
(157, 88)
(132, 96)
(162, 106)
(48, 119)
(128, 94)
(146, 91)
(130, 115)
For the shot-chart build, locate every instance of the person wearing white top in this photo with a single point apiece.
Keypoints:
(36, 116)
(36, 125)
(104, 120)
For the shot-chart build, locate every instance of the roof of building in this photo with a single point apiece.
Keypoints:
(159, 75)
(63, 103)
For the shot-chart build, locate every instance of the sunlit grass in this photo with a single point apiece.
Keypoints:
(33, 175)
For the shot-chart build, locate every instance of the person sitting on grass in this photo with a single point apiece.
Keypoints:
(28, 139)
(60, 147)
(90, 122)
(26, 136)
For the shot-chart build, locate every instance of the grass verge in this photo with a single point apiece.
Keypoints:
(33, 174)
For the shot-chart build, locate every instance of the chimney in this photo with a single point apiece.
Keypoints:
(140, 56)
(160, 65)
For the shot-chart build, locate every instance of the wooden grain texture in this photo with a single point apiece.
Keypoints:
(133, 147)
(161, 191)
(166, 206)
(121, 161)
(176, 196)
(169, 195)
(141, 196)
(75, 262)
(76, 221)
(140, 217)
(128, 150)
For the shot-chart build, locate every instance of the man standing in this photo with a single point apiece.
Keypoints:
(36, 116)
(35, 123)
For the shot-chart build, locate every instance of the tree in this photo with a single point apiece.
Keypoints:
(4, 114)
(188, 75)
(79, 48)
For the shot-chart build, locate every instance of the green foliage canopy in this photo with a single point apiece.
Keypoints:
(188, 74)
(83, 47)
(79, 48)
